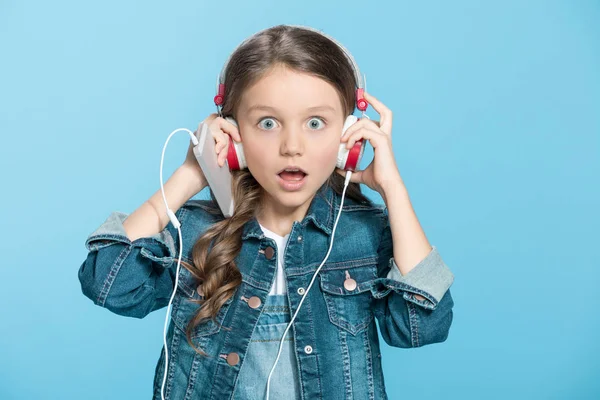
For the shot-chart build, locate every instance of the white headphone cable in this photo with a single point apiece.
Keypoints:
(177, 225)
(348, 175)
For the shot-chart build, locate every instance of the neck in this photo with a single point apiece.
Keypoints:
(278, 217)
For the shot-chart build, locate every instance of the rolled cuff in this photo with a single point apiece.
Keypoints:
(430, 278)
(159, 247)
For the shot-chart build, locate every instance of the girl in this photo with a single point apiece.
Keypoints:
(289, 90)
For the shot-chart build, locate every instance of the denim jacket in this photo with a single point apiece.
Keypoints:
(335, 337)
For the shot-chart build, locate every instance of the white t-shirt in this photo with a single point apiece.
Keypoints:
(279, 283)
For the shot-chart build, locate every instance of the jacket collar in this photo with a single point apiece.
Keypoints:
(320, 212)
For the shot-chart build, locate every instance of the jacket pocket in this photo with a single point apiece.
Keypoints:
(347, 294)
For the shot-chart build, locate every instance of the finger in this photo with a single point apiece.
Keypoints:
(360, 124)
(377, 105)
(384, 112)
(364, 133)
(220, 137)
(224, 151)
(230, 129)
(219, 146)
(354, 137)
(353, 128)
(209, 119)
(222, 158)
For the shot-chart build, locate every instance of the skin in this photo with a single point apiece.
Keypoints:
(289, 133)
(289, 137)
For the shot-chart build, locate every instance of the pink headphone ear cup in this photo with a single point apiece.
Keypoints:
(349, 159)
(235, 153)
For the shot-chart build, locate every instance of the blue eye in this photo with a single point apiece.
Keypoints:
(269, 125)
(312, 125)
(266, 119)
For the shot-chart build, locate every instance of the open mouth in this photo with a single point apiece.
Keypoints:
(292, 175)
(291, 181)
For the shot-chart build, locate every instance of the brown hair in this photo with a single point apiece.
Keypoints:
(301, 50)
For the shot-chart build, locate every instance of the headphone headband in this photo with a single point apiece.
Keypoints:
(361, 103)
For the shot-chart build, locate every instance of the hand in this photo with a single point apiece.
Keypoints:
(222, 130)
(382, 171)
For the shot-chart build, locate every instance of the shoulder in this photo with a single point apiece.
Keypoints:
(199, 214)
(369, 216)
(354, 207)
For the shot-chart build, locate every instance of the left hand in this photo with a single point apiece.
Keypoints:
(382, 171)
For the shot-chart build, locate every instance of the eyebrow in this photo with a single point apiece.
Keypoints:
(258, 107)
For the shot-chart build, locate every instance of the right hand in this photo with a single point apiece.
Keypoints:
(222, 130)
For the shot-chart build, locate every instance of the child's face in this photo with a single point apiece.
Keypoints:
(290, 133)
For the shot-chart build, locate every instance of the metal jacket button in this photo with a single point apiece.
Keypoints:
(254, 302)
(269, 252)
(350, 284)
(199, 290)
(233, 358)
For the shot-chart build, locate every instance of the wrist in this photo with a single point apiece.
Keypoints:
(393, 186)
(195, 181)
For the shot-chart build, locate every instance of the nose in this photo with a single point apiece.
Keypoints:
(292, 142)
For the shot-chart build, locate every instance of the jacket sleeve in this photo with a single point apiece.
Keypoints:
(404, 320)
(130, 278)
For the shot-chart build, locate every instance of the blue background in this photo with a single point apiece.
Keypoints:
(496, 134)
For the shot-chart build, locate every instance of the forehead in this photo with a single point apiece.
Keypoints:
(285, 90)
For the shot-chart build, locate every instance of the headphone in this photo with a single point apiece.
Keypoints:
(347, 159)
